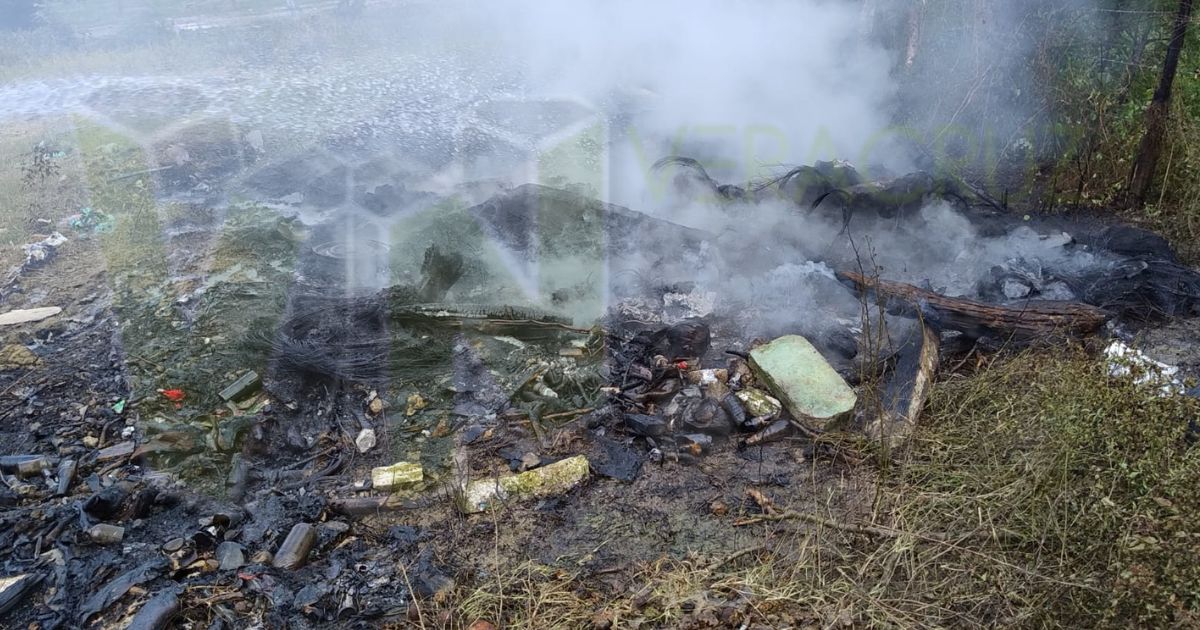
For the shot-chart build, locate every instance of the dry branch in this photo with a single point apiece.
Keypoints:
(1030, 320)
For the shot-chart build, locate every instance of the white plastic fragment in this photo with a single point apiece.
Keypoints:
(1127, 362)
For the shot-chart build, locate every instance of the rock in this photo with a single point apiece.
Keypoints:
(293, 553)
(396, 476)
(365, 440)
(330, 531)
(242, 388)
(529, 461)
(230, 555)
(414, 404)
(375, 406)
(173, 545)
(646, 426)
(105, 534)
(14, 356)
(481, 624)
(24, 316)
(758, 403)
(805, 383)
(262, 557)
(546, 481)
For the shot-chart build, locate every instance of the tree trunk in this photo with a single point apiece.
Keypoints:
(1156, 114)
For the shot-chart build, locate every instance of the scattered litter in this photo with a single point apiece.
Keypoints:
(24, 465)
(230, 555)
(91, 221)
(396, 476)
(549, 480)
(239, 389)
(116, 451)
(119, 406)
(293, 553)
(116, 588)
(173, 395)
(1127, 362)
(28, 315)
(759, 404)
(158, 611)
(43, 250)
(105, 534)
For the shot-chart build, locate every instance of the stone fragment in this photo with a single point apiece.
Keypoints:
(546, 481)
(230, 555)
(26, 315)
(396, 476)
(809, 388)
(15, 355)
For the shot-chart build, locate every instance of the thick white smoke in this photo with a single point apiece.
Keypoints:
(747, 85)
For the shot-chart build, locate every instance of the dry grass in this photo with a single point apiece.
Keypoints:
(1039, 493)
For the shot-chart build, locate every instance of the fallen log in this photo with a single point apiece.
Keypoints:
(1027, 321)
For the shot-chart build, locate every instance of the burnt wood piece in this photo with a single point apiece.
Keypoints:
(905, 394)
(1024, 322)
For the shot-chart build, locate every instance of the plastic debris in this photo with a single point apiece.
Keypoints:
(105, 534)
(89, 220)
(758, 403)
(24, 465)
(116, 588)
(293, 553)
(1127, 362)
(158, 611)
(549, 480)
(14, 589)
(241, 388)
(173, 395)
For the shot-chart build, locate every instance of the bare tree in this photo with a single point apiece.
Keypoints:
(1146, 160)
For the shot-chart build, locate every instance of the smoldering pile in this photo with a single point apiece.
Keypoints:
(933, 232)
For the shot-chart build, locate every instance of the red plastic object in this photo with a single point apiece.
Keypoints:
(681, 365)
(173, 395)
